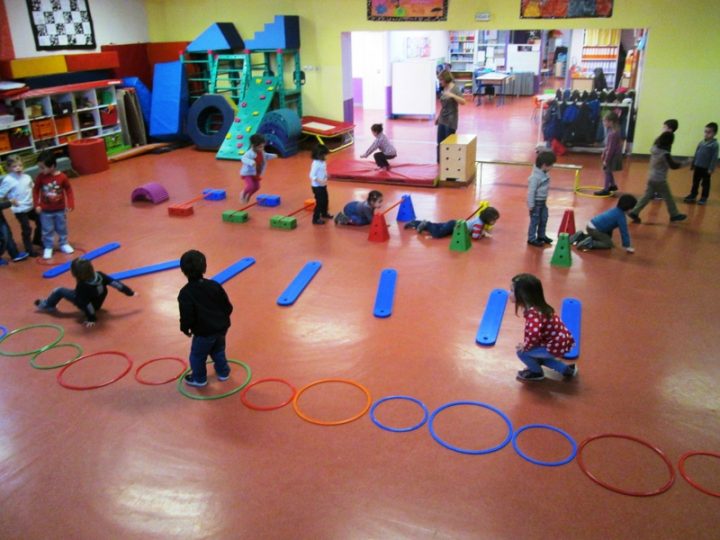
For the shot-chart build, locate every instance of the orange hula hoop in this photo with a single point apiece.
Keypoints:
(334, 422)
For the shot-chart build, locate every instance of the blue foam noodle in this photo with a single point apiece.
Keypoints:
(297, 286)
(385, 293)
(55, 271)
(571, 315)
(492, 318)
(144, 270)
(233, 270)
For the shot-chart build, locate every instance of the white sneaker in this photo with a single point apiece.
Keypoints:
(67, 248)
(47, 253)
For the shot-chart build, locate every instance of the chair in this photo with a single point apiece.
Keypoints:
(477, 86)
(538, 105)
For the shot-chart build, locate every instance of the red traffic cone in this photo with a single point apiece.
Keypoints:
(567, 225)
(378, 229)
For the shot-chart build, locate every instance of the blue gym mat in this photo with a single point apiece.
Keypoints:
(385, 293)
(492, 318)
(297, 286)
(233, 270)
(571, 315)
(143, 270)
(55, 271)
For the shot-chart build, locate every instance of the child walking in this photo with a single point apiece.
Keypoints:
(703, 164)
(546, 336)
(660, 162)
(53, 198)
(600, 228)
(205, 316)
(360, 213)
(382, 143)
(477, 226)
(18, 188)
(90, 291)
(538, 187)
(612, 154)
(254, 162)
(318, 182)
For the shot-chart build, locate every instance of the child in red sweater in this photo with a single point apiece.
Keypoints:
(53, 198)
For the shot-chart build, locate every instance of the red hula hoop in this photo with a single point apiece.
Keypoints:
(249, 405)
(79, 252)
(95, 386)
(152, 360)
(693, 483)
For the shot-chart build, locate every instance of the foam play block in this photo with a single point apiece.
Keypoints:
(282, 33)
(169, 100)
(233, 270)
(297, 285)
(181, 210)
(90, 255)
(22, 68)
(92, 61)
(411, 174)
(235, 216)
(571, 315)
(385, 293)
(217, 37)
(492, 318)
(268, 200)
(144, 270)
(283, 222)
(214, 194)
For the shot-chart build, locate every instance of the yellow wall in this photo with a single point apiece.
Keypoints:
(681, 77)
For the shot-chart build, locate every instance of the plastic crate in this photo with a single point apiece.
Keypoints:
(108, 116)
(42, 129)
(113, 141)
(19, 138)
(63, 124)
(5, 142)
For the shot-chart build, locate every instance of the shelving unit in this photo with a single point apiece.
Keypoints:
(600, 50)
(52, 117)
(492, 49)
(462, 55)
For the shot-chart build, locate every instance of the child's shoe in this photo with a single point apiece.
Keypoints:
(47, 253)
(3, 262)
(341, 219)
(67, 248)
(223, 378)
(612, 188)
(577, 237)
(570, 371)
(546, 240)
(536, 243)
(318, 222)
(412, 224)
(328, 216)
(21, 256)
(689, 199)
(678, 217)
(529, 376)
(602, 193)
(702, 202)
(42, 306)
(585, 244)
(421, 226)
(635, 218)
(190, 380)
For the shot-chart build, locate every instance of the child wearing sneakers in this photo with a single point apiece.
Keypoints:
(18, 188)
(53, 198)
(385, 149)
(254, 162)
(703, 164)
(318, 182)
(478, 226)
(538, 187)
(7, 242)
(360, 213)
(612, 154)
(546, 336)
(600, 228)
(205, 316)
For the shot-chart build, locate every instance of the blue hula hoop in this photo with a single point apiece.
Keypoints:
(4, 330)
(568, 459)
(465, 450)
(375, 421)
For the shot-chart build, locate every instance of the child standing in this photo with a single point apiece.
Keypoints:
(703, 164)
(546, 336)
(478, 226)
(18, 187)
(360, 213)
(205, 316)
(382, 143)
(53, 198)
(7, 242)
(601, 227)
(254, 162)
(318, 181)
(538, 187)
(660, 162)
(89, 294)
(612, 154)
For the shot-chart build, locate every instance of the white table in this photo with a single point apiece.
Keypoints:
(496, 79)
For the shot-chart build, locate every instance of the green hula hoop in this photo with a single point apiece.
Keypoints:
(61, 334)
(184, 392)
(75, 346)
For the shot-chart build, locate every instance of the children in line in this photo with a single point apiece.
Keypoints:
(546, 337)
(612, 154)
(53, 198)
(600, 228)
(205, 316)
(90, 291)
(660, 162)
(18, 188)
(538, 187)
(360, 213)
(477, 226)
(254, 162)
(7, 242)
(703, 164)
(382, 143)
(318, 182)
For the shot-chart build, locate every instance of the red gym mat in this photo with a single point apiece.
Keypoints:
(411, 174)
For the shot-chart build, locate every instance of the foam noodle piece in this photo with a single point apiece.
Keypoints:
(571, 315)
(297, 286)
(90, 255)
(214, 194)
(492, 318)
(233, 270)
(385, 293)
(143, 270)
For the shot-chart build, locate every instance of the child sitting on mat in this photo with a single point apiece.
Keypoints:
(360, 213)
(601, 227)
(89, 293)
(254, 162)
(546, 336)
(382, 143)
(478, 226)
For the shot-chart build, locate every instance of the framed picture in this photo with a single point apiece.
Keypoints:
(61, 24)
(407, 10)
(565, 9)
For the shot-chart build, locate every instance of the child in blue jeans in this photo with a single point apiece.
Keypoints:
(538, 187)
(205, 316)
(360, 213)
(477, 226)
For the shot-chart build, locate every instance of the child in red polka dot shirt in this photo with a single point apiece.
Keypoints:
(546, 336)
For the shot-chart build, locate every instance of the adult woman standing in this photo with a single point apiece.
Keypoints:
(450, 98)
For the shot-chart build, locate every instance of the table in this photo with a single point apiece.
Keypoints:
(496, 79)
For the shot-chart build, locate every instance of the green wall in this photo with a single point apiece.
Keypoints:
(681, 78)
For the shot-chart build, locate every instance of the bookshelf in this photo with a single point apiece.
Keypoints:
(462, 55)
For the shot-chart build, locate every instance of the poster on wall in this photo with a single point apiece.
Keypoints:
(565, 9)
(407, 10)
(418, 47)
(61, 24)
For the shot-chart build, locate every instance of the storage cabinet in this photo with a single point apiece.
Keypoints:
(462, 55)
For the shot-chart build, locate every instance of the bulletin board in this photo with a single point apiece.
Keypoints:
(565, 9)
(407, 10)
(61, 24)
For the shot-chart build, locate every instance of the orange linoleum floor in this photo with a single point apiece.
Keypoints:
(143, 462)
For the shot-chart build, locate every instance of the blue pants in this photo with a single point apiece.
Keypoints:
(53, 222)
(201, 348)
(535, 358)
(352, 211)
(538, 221)
(59, 294)
(7, 241)
(440, 230)
(442, 133)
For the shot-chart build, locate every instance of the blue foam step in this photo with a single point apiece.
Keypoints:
(214, 194)
(492, 318)
(385, 293)
(233, 270)
(571, 315)
(55, 271)
(268, 200)
(143, 270)
(297, 286)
